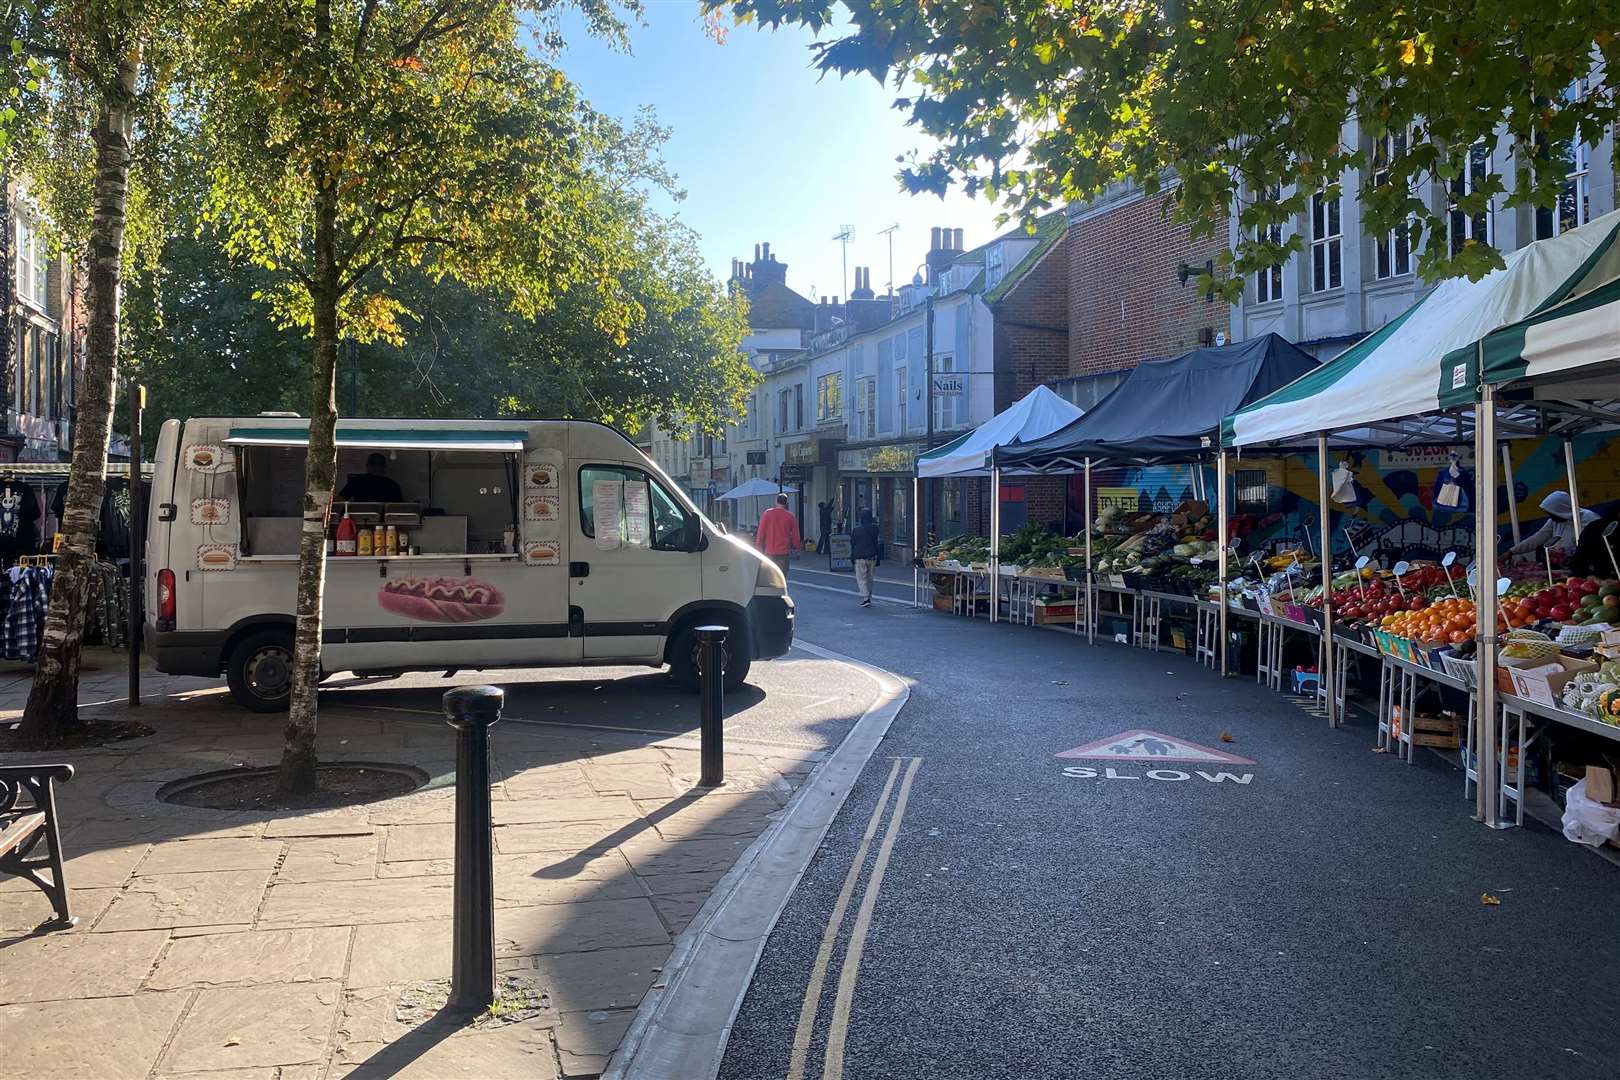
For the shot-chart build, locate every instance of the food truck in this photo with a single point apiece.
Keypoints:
(467, 544)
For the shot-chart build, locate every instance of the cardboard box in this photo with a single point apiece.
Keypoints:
(1544, 683)
(1600, 784)
(942, 603)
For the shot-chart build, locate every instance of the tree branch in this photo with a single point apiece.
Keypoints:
(365, 25)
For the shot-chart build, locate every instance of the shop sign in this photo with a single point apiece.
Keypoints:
(838, 551)
(793, 474)
(698, 472)
(948, 385)
(1124, 499)
(800, 453)
(756, 457)
(1151, 746)
(1425, 457)
(878, 459)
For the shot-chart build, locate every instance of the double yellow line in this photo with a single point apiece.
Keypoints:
(832, 1067)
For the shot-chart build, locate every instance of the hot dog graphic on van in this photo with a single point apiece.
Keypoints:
(441, 599)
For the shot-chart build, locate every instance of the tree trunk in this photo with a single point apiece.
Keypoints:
(320, 474)
(53, 702)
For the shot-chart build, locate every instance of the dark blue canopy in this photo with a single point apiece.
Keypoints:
(1167, 410)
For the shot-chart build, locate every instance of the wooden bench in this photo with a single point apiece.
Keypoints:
(27, 816)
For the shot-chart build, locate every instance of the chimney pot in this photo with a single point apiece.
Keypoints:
(958, 235)
(933, 239)
(756, 253)
(766, 251)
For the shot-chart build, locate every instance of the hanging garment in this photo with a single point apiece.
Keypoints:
(113, 541)
(19, 521)
(25, 613)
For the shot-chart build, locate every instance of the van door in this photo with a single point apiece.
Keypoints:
(633, 563)
(161, 512)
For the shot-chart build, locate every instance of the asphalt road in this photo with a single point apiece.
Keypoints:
(1322, 919)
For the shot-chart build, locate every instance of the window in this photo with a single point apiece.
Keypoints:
(1464, 226)
(1394, 248)
(1574, 206)
(1253, 492)
(900, 399)
(866, 406)
(950, 508)
(33, 261)
(830, 396)
(948, 408)
(784, 401)
(798, 407)
(1268, 280)
(666, 526)
(1327, 242)
(994, 265)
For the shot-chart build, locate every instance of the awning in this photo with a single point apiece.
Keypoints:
(1033, 416)
(1168, 410)
(756, 488)
(1425, 360)
(494, 442)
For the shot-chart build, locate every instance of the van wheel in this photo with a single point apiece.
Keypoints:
(683, 664)
(260, 671)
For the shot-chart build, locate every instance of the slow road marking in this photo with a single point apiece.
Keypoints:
(833, 1063)
(1152, 746)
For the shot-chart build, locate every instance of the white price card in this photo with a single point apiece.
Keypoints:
(607, 512)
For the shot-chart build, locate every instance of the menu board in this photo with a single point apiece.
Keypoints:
(636, 517)
(607, 511)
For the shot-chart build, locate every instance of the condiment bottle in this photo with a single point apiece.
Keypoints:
(363, 542)
(346, 534)
(391, 541)
(379, 540)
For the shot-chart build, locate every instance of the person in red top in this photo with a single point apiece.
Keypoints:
(778, 534)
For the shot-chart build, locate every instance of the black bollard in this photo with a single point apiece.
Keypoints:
(471, 710)
(711, 670)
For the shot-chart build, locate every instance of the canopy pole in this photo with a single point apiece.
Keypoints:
(995, 541)
(1487, 790)
(1512, 491)
(1223, 540)
(1327, 678)
(916, 539)
(1091, 611)
(1574, 489)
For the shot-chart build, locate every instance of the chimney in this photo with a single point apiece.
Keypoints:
(756, 253)
(942, 254)
(766, 249)
(957, 239)
(765, 268)
(863, 284)
(933, 240)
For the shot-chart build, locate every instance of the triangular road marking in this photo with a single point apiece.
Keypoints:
(1140, 745)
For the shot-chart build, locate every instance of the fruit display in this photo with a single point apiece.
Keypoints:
(1448, 622)
(1577, 602)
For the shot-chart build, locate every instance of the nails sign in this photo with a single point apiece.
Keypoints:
(1140, 745)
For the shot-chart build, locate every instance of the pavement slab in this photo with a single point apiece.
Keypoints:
(210, 898)
(117, 1038)
(329, 858)
(348, 903)
(608, 978)
(578, 927)
(226, 853)
(255, 956)
(56, 967)
(255, 1026)
(585, 1040)
(23, 907)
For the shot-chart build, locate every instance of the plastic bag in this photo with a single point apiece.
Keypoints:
(1587, 822)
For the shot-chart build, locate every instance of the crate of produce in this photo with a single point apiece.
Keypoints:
(943, 602)
(1061, 613)
(1436, 731)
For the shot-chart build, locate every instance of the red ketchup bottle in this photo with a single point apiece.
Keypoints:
(346, 534)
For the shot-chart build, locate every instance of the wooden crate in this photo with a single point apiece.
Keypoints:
(942, 603)
(1049, 614)
(1437, 731)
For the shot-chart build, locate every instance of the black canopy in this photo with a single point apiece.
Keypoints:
(1168, 410)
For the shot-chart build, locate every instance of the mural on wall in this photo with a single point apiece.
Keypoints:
(1405, 503)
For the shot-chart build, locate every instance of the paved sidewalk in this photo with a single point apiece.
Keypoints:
(252, 946)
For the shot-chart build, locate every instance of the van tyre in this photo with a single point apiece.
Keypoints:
(683, 664)
(259, 671)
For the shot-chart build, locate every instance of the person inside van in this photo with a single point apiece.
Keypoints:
(373, 485)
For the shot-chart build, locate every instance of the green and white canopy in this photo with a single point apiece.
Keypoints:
(1426, 360)
(1571, 350)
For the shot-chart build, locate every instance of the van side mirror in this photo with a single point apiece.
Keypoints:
(692, 538)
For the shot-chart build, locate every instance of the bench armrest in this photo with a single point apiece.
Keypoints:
(15, 773)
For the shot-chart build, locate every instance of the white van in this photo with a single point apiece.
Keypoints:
(519, 544)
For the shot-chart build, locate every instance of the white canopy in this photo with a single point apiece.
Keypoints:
(749, 489)
(1036, 415)
(1426, 358)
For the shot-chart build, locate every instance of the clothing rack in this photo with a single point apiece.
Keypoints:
(36, 560)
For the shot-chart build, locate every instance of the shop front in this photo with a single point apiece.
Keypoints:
(878, 478)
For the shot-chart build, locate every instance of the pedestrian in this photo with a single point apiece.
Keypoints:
(778, 534)
(1559, 531)
(864, 548)
(824, 518)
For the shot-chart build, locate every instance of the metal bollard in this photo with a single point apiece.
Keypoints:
(471, 710)
(711, 671)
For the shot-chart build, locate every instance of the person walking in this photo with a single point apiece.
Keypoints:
(778, 535)
(864, 548)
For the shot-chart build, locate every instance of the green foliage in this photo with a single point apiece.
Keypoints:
(1036, 102)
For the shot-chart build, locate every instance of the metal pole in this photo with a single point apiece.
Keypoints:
(1091, 612)
(711, 672)
(1574, 489)
(471, 710)
(1326, 678)
(995, 541)
(1222, 540)
(1487, 791)
(137, 541)
(1512, 491)
(916, 522)
(928, 401)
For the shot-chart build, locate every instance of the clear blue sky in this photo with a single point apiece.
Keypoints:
(767, 151)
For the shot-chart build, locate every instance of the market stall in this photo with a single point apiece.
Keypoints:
(1033, 416)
